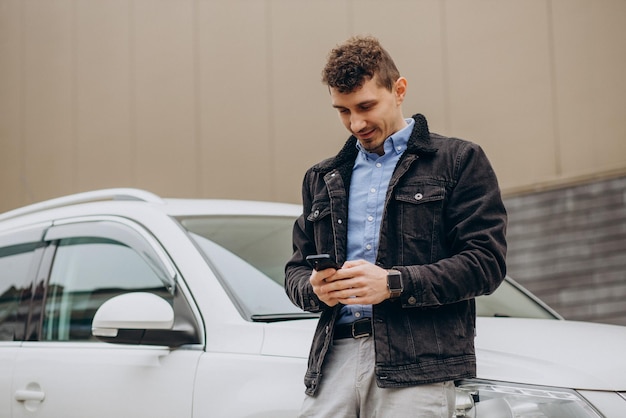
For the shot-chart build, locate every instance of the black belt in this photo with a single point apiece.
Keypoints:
(357, 329)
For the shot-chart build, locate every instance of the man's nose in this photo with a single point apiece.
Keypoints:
(357, 123)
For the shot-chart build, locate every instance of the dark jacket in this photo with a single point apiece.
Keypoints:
(443, 228)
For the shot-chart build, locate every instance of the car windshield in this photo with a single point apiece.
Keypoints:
(248, 254)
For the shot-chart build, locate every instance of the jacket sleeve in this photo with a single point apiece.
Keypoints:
(475, 223)
(297, 270)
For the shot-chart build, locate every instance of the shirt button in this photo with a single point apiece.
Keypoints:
(418, 196)
(378, 165)
(368, 247)
(373, 190)
(370, 218)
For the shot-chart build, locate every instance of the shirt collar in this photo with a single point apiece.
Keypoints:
(396, 142)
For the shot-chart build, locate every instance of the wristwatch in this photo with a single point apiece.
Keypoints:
(394, 283)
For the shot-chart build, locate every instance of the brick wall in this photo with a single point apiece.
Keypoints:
(568, 246)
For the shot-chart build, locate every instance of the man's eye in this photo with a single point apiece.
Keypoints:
(343, 110)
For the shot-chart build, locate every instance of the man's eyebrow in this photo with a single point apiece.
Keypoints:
(360, 104)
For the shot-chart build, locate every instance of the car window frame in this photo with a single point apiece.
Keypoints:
(114, 228)
(136, 237)
(28, 236)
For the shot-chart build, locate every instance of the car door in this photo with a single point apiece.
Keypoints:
(67, 372)
(19, 254)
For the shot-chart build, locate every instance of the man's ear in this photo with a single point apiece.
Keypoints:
(400, 89)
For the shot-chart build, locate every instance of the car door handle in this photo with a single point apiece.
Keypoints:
(25, 395)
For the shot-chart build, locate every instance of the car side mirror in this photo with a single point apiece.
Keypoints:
(137, 318)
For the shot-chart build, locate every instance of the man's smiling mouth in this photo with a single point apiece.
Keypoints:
(365, 134)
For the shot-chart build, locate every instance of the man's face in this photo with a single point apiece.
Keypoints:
(371, 113)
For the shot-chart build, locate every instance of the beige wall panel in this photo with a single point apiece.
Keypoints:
(237, 145)
(102, 97)
(412, 33)
(500, 85)
(163, 96)
(170, 95)
(306, 127)
(590, 56)
(11, 145)
(49, 157)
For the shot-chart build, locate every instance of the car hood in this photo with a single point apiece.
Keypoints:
(544, 352)
(289, 338)
(577, 355)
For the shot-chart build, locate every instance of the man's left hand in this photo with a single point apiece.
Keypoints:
(360, 282)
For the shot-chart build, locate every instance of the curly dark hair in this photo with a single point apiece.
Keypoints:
(357, 60)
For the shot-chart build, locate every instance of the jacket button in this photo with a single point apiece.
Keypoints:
(339, 221)
(316, 213)
(412, 300)
(418, 196)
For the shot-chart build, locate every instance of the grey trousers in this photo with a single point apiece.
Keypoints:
(348, 389)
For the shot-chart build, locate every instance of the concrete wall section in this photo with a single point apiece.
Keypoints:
(568, 246)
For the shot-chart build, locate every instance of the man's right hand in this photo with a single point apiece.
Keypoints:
(322, 287)
(357, 282)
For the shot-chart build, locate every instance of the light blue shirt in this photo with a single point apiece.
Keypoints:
(368, 188)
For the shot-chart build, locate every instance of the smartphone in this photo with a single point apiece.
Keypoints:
(322, 261)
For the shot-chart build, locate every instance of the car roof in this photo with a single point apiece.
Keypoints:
(190, 207)
(137, 198)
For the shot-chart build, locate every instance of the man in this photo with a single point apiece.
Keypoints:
(417, 224)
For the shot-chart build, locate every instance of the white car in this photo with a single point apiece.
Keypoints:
(117, 303)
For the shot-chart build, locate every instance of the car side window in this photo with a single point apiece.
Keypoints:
(86, 272)
(16, 264)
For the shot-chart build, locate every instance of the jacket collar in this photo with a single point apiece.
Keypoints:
(419, 143)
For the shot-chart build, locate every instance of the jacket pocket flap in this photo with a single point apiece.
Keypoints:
(319, 210)
(420, 193)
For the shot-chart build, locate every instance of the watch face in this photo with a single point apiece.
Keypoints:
(394, 281)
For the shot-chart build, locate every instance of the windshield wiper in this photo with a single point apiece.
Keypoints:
(279, 317)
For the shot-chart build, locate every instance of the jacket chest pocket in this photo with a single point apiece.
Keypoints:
(420, 193)
(319, 210)
(322, 225)
(418, 218)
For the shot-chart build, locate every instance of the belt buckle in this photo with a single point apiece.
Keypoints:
(360, 334)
